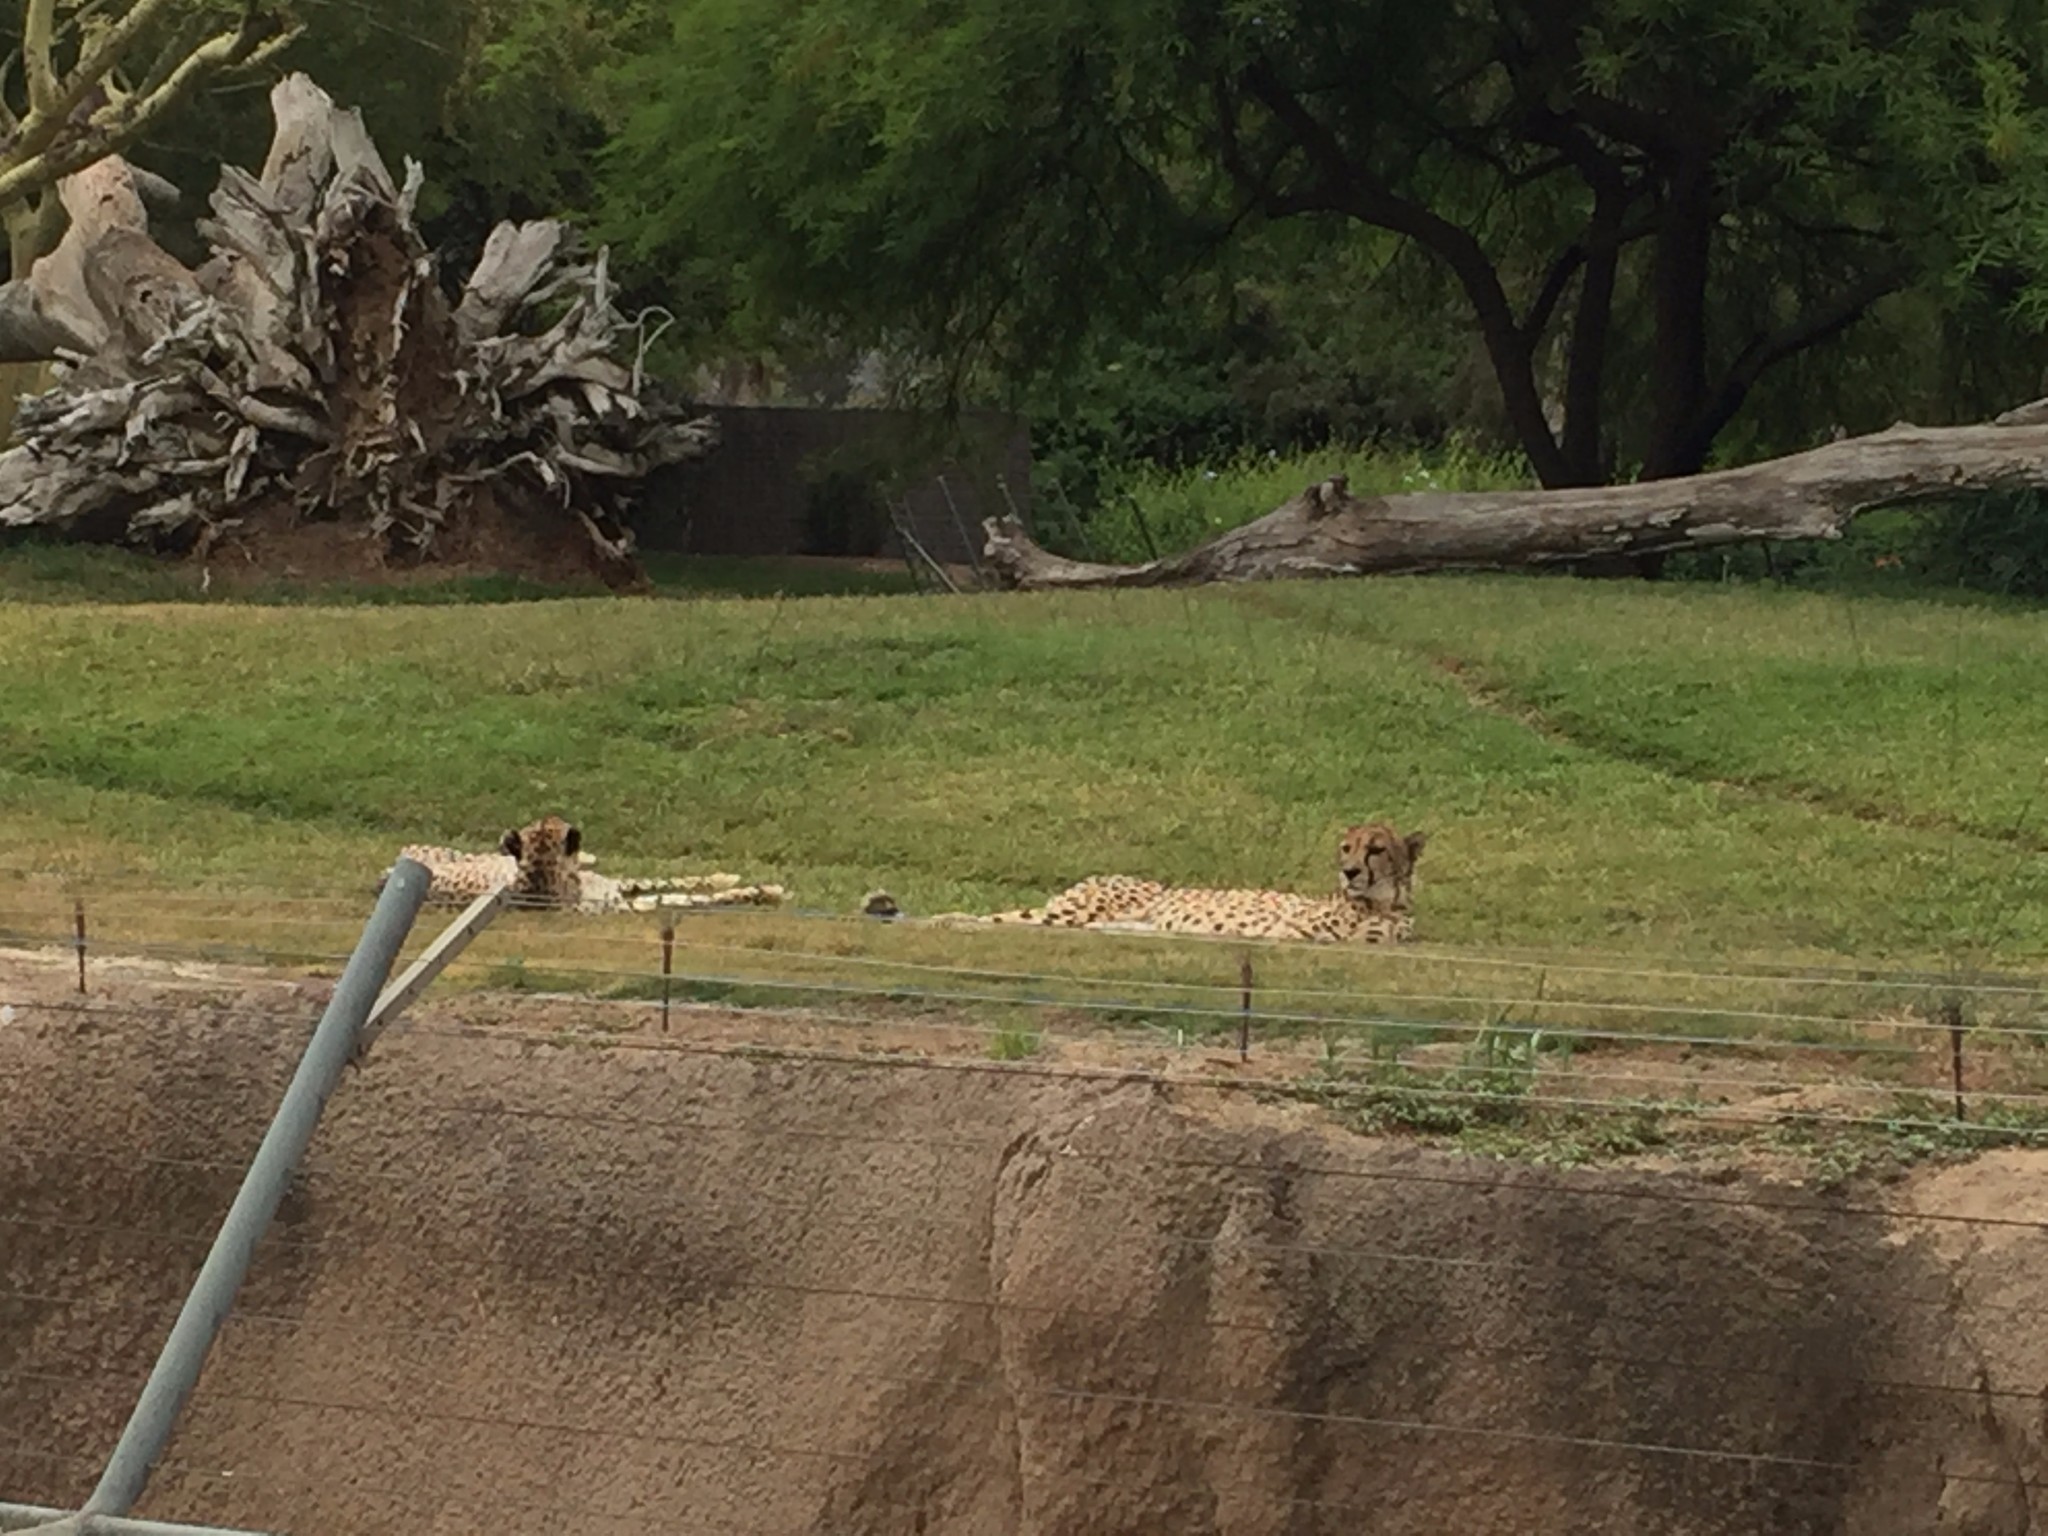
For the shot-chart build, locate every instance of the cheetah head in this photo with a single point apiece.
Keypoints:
(1376, 866)
(546, 851)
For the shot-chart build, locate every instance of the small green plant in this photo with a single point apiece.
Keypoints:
(1403, 1107)
(1015, 1044)
(1490, 1087)
(1386, 1042)
(1569, 1139)
(1499, 1048)
(1925, 1126)
(1487, 1100)
(1637, 1130)
(1919, 1127)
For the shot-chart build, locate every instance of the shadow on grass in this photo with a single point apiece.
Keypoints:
(34, 571)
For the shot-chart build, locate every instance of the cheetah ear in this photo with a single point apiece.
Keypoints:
(1416, 842)
(510, 843)
(572, 841)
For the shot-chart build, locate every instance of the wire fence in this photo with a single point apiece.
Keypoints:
(727, 1243)
(1611, 1037)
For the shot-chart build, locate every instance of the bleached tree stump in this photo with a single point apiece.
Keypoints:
(314, 371)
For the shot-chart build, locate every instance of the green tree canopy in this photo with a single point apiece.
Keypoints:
(498, 98)
(1645, 208)
(84, 80)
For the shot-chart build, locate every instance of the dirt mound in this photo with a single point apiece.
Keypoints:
(526, 1286)
(272, 542)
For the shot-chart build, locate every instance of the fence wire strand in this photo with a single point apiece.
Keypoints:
(348, 904)
(1070, 992)
(1337, 1090)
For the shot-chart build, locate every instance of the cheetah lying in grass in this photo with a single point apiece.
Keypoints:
(546, 866)
(1375, 894)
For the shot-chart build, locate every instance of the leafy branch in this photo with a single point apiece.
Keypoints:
(79, 114)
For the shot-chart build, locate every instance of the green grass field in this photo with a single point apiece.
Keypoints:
(1691, 846)
(1711, 771)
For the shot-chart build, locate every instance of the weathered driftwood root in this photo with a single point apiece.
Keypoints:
(1326, 531)
(314, 367)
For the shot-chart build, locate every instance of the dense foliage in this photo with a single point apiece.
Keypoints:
(1640, 208)
(1605, 238)
(83, 79)
(502, 100)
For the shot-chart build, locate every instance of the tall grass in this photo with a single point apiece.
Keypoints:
(1148, 511)
(1977, 546)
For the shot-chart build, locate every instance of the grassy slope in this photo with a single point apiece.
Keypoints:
(982, 750)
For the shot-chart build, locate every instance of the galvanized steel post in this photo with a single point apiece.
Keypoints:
(34, 1520)
(227, 1262)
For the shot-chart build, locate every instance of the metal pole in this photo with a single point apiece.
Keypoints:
(1244, 1023)
(32, 1518)
(432, 961)
(960, 526)
(909, 539)
(1952, 1015)
(668, 966)
(263, 1186)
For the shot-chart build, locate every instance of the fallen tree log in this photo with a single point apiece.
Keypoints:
(313, 371)
(1326, 531)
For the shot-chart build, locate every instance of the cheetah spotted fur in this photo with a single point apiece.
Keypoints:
(1372, 904)
(546, 866)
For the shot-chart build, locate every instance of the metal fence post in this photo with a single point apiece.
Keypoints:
(263, 1186)
(35, 1520)
(1244, 1023)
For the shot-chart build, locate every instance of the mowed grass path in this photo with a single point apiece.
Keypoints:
(1677, 769)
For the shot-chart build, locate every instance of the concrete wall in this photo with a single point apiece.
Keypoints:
(768, 488)
(617, 1288)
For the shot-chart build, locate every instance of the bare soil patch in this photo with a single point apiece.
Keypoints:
(272, 544)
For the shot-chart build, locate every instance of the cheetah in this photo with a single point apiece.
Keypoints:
(546, 866)
(1372, 904)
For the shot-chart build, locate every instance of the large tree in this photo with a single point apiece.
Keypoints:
(85, 80)
(1644, 206)
(91, 78)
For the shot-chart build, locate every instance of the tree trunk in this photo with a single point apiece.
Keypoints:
(1586, 365)
(313, 371)
(1325, 531)
(1678, 280)
(27, 336)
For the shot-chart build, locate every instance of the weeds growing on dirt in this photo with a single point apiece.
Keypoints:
(1014, 1044)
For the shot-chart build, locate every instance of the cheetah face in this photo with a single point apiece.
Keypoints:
(1376, 865)
(546, 851)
